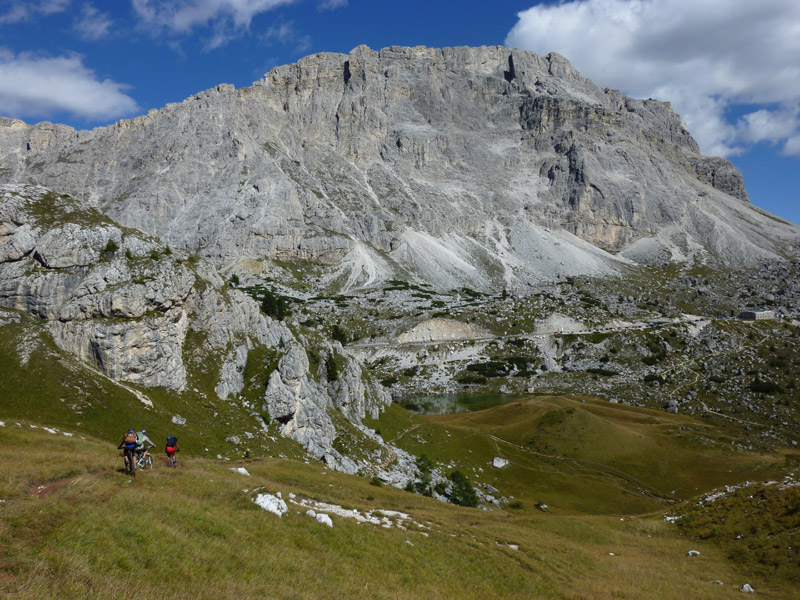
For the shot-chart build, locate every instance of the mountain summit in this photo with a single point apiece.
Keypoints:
(478, 167)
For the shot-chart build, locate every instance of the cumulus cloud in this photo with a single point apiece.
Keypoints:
(40, 87)
(92, 24)
(226, 18)
(705, 57)
(27, 9)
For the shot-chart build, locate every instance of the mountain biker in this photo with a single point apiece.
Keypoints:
(128, 446)
(172, 448)
(143, 444)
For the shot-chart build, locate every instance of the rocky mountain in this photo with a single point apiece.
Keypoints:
(479, 167)
(429, 180)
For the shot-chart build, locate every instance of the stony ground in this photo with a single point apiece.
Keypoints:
(664, 337)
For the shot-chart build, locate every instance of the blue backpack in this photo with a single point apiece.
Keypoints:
(172, 441)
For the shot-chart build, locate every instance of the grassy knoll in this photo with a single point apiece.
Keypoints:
(73, 526)
(583, 454)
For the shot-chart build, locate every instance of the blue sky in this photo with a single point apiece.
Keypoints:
(731, 68)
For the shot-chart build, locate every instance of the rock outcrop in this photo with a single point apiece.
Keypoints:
(123, 303)
(483, 167)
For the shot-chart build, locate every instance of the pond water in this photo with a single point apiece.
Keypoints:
(441, 404)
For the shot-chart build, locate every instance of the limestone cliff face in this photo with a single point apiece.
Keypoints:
(463, 166)
(125, 304)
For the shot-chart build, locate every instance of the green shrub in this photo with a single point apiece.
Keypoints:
(603, 372)
(492, 368)
(111, 246)
(462, 492)
(339, 334)
(596, 337)
(376, 482)
(765, 387)
(332, 369)
(655, 358)
(468, 378)
(275, 305)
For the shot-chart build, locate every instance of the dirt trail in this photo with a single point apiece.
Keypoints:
(392, 454)
(45, 490)
(400, 437)
(719, 414)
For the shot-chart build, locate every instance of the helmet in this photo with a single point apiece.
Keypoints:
(143, 431)
(131, 430)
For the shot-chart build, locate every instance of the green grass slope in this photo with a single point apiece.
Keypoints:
(583, 454)
(42, 384)
(73, 526)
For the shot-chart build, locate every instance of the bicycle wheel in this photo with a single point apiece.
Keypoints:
(130, 465)
(148, 462)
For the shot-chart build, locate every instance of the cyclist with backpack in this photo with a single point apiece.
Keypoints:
(143, 444)
(171, 449)
(128, 447)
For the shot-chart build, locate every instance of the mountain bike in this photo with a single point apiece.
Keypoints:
(172, 461)
(130, 464)
(145, 461)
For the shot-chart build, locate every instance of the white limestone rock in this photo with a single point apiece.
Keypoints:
(273, 504)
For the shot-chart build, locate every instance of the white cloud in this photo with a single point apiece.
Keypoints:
(92, 24)
(286, 34)
(227, 18)
(792, 146)
(28, 9)
(704, 56)
(41, 87)
(331, 4)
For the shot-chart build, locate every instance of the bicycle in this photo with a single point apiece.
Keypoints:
(130, 465)
(172, 461)
(145, 461)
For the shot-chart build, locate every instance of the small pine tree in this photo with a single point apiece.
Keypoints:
(339, 334)
(332, 368)
(462, 493)
(274, 305)
(424, 475)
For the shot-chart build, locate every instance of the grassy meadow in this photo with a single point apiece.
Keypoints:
(72, 525)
